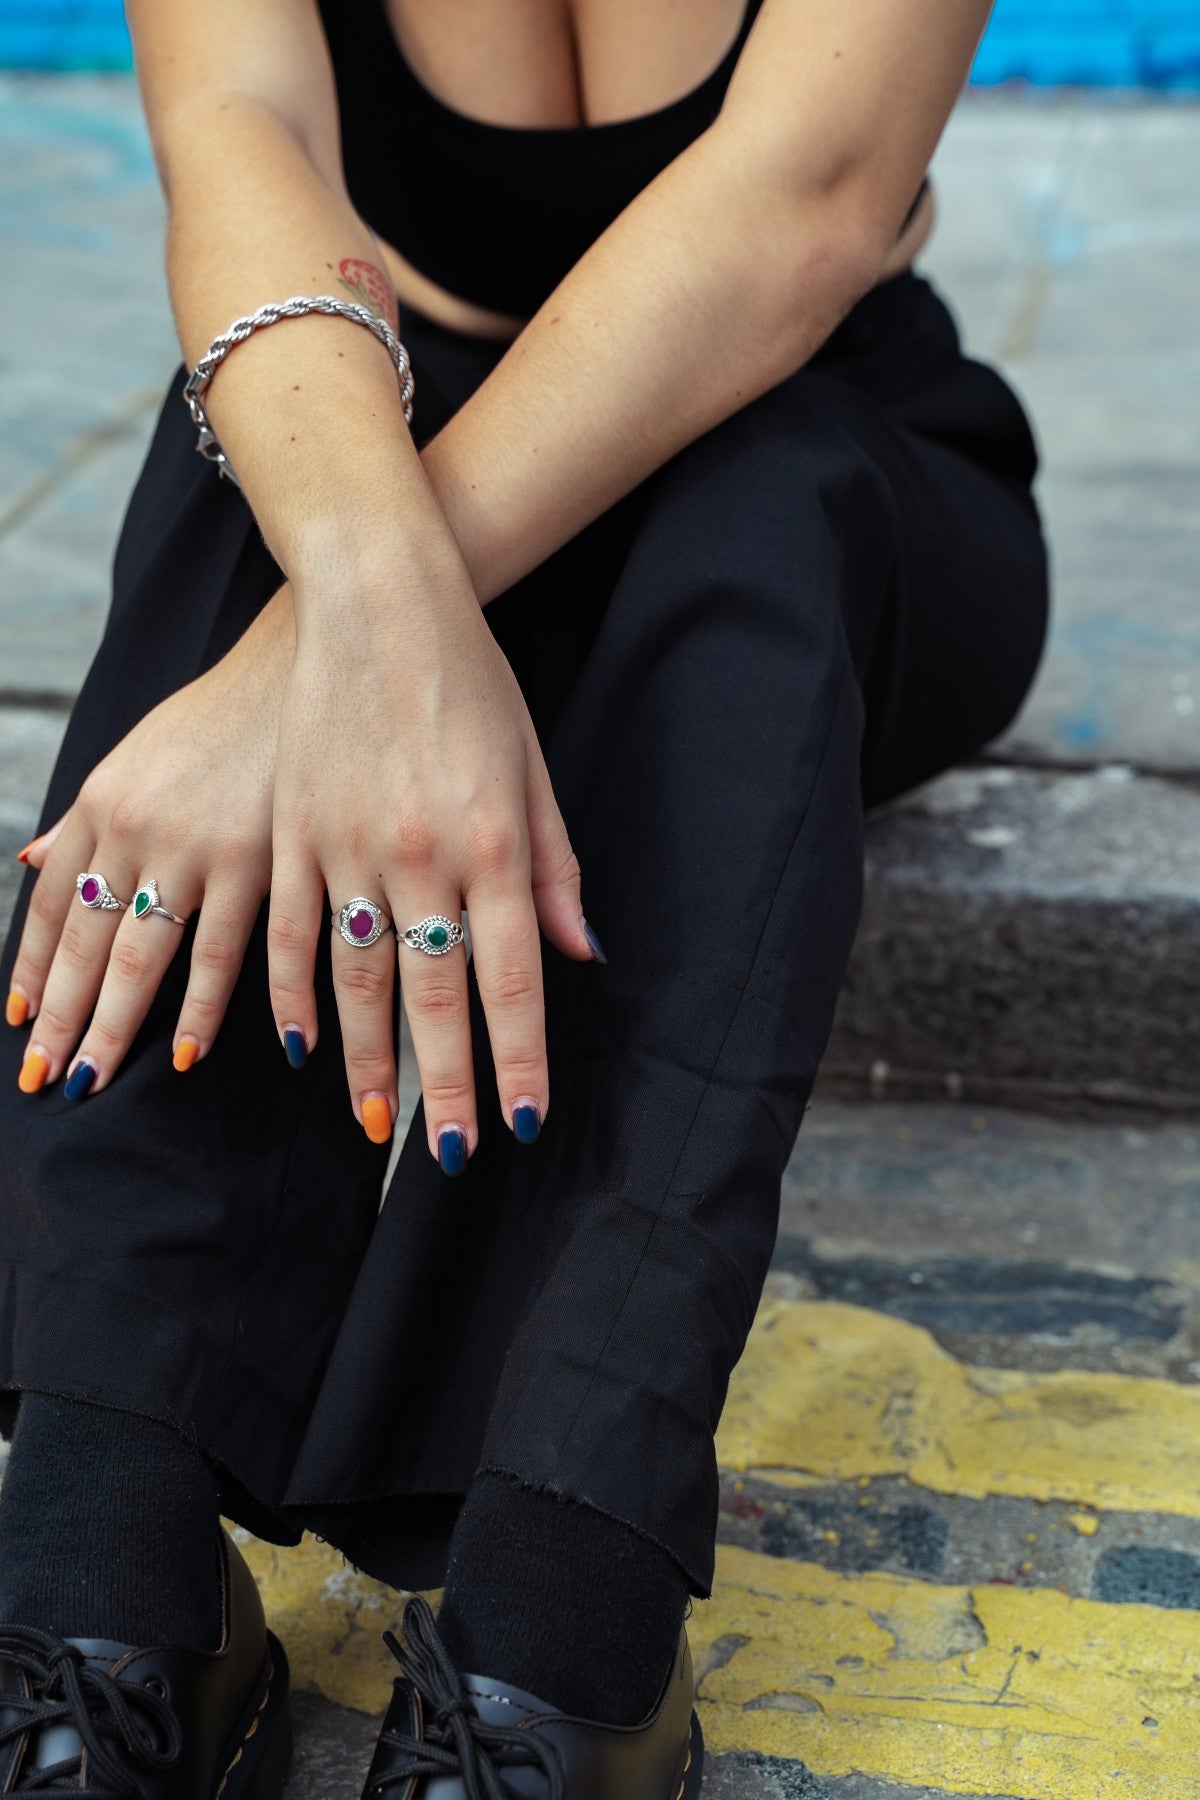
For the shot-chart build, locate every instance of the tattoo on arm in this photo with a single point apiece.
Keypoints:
(370, 287)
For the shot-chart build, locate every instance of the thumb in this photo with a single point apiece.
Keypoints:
(36, 852)
(555, 875)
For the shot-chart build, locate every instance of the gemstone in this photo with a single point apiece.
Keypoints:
(89, 893)
(141, 903)
(437, 937)
(361, 923)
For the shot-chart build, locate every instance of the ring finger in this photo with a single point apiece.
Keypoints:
(92, 918)
(434, 983)
(142, 951)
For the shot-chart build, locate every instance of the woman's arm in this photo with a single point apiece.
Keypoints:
(722, 278)
(242, 112)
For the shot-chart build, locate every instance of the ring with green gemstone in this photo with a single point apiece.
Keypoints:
(146, 901)
(434, 935)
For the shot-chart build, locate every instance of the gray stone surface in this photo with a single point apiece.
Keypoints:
(1029, 933)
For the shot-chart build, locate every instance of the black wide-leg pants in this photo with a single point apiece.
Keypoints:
(833, 595)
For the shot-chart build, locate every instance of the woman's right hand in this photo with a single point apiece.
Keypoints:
(409, 773)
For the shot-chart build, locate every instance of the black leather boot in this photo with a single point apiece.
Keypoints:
(464, 1737)
(101, 1720)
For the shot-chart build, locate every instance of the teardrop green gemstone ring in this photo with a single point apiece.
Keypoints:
(146, 901)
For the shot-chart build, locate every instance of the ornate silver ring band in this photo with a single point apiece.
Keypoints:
(361, 923)
(434, 935)
(95, 893)
(146, 901)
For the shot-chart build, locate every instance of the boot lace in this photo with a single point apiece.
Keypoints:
(67, 1690)
(457, 1741)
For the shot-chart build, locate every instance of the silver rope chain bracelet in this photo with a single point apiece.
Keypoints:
(198, 381)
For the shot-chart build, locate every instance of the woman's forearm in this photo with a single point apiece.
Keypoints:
(707, 291)
(308, 410)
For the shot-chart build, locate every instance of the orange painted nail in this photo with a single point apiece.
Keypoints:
(377, 1119)
(23, 855)
(34, 1071)
(186, 1052)
(16, 1008)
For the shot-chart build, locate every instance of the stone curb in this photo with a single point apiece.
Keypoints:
(1027, 937)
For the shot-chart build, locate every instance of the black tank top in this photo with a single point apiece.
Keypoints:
(496, 214)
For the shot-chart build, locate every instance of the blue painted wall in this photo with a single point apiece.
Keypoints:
(1104, 43)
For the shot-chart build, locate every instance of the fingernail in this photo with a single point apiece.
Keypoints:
(452, 1150)
(593, 942)
(186, 1052)
(295, 1047)
(16, 1007)
(79, 1081)
(377, 1118)
(34, 1071)
(23, 855)
(526, 1122)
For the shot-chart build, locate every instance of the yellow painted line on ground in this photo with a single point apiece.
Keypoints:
(827, 1391)
(980, 1690)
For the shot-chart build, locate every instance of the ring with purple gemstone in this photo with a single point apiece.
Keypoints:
(361, 923)
(96, 894)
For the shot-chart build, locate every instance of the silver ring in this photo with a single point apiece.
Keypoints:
(434, 935)
(95, 893)
(361, 923)
(146, 901)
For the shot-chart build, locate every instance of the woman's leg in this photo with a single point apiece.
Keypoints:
(710, 765)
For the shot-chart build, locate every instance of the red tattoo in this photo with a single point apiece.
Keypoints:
(369, 286)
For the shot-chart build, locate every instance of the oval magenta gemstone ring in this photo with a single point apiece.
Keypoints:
(96, 894)
(361, 923)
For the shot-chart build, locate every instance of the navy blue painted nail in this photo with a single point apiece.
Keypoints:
(79, 1081)
(452, 1152)
(296, 1048)
(526, 1123)
(593, 942)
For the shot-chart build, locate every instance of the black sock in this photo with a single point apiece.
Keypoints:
(108, 1528)
(561, 1600)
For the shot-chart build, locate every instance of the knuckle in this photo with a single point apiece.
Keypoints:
(446, 1092)
(56, 1021)
(436, 1001)
(513, 987)
(415, 842)
(525, 1068)
(286, 936)
(495, 845)
(366, 983)
(76, 952)
(216, 956)
(128, 963)
(202, 1009)
(45, 906)
(103, 1037)
(129, 817)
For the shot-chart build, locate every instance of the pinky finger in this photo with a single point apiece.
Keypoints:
(222, 932)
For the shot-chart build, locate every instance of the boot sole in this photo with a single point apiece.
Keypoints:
(693, 1768)
(262, 1751)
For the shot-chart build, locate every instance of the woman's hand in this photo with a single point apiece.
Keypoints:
(409, 774)
(185, 799)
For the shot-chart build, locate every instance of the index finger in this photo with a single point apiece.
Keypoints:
(506, 948)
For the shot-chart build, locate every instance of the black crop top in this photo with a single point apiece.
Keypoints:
(496, 214)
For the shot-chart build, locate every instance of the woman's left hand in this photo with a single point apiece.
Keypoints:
(184, 798)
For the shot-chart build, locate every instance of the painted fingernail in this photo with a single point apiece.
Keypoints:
(23, 855)
(593, 942)
(34, 1071)
(452, 1150)
(377, 1118)
(79, 1082)
(295, 1047)
(16, 1007)
(186, 1052)
(526, 1122)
